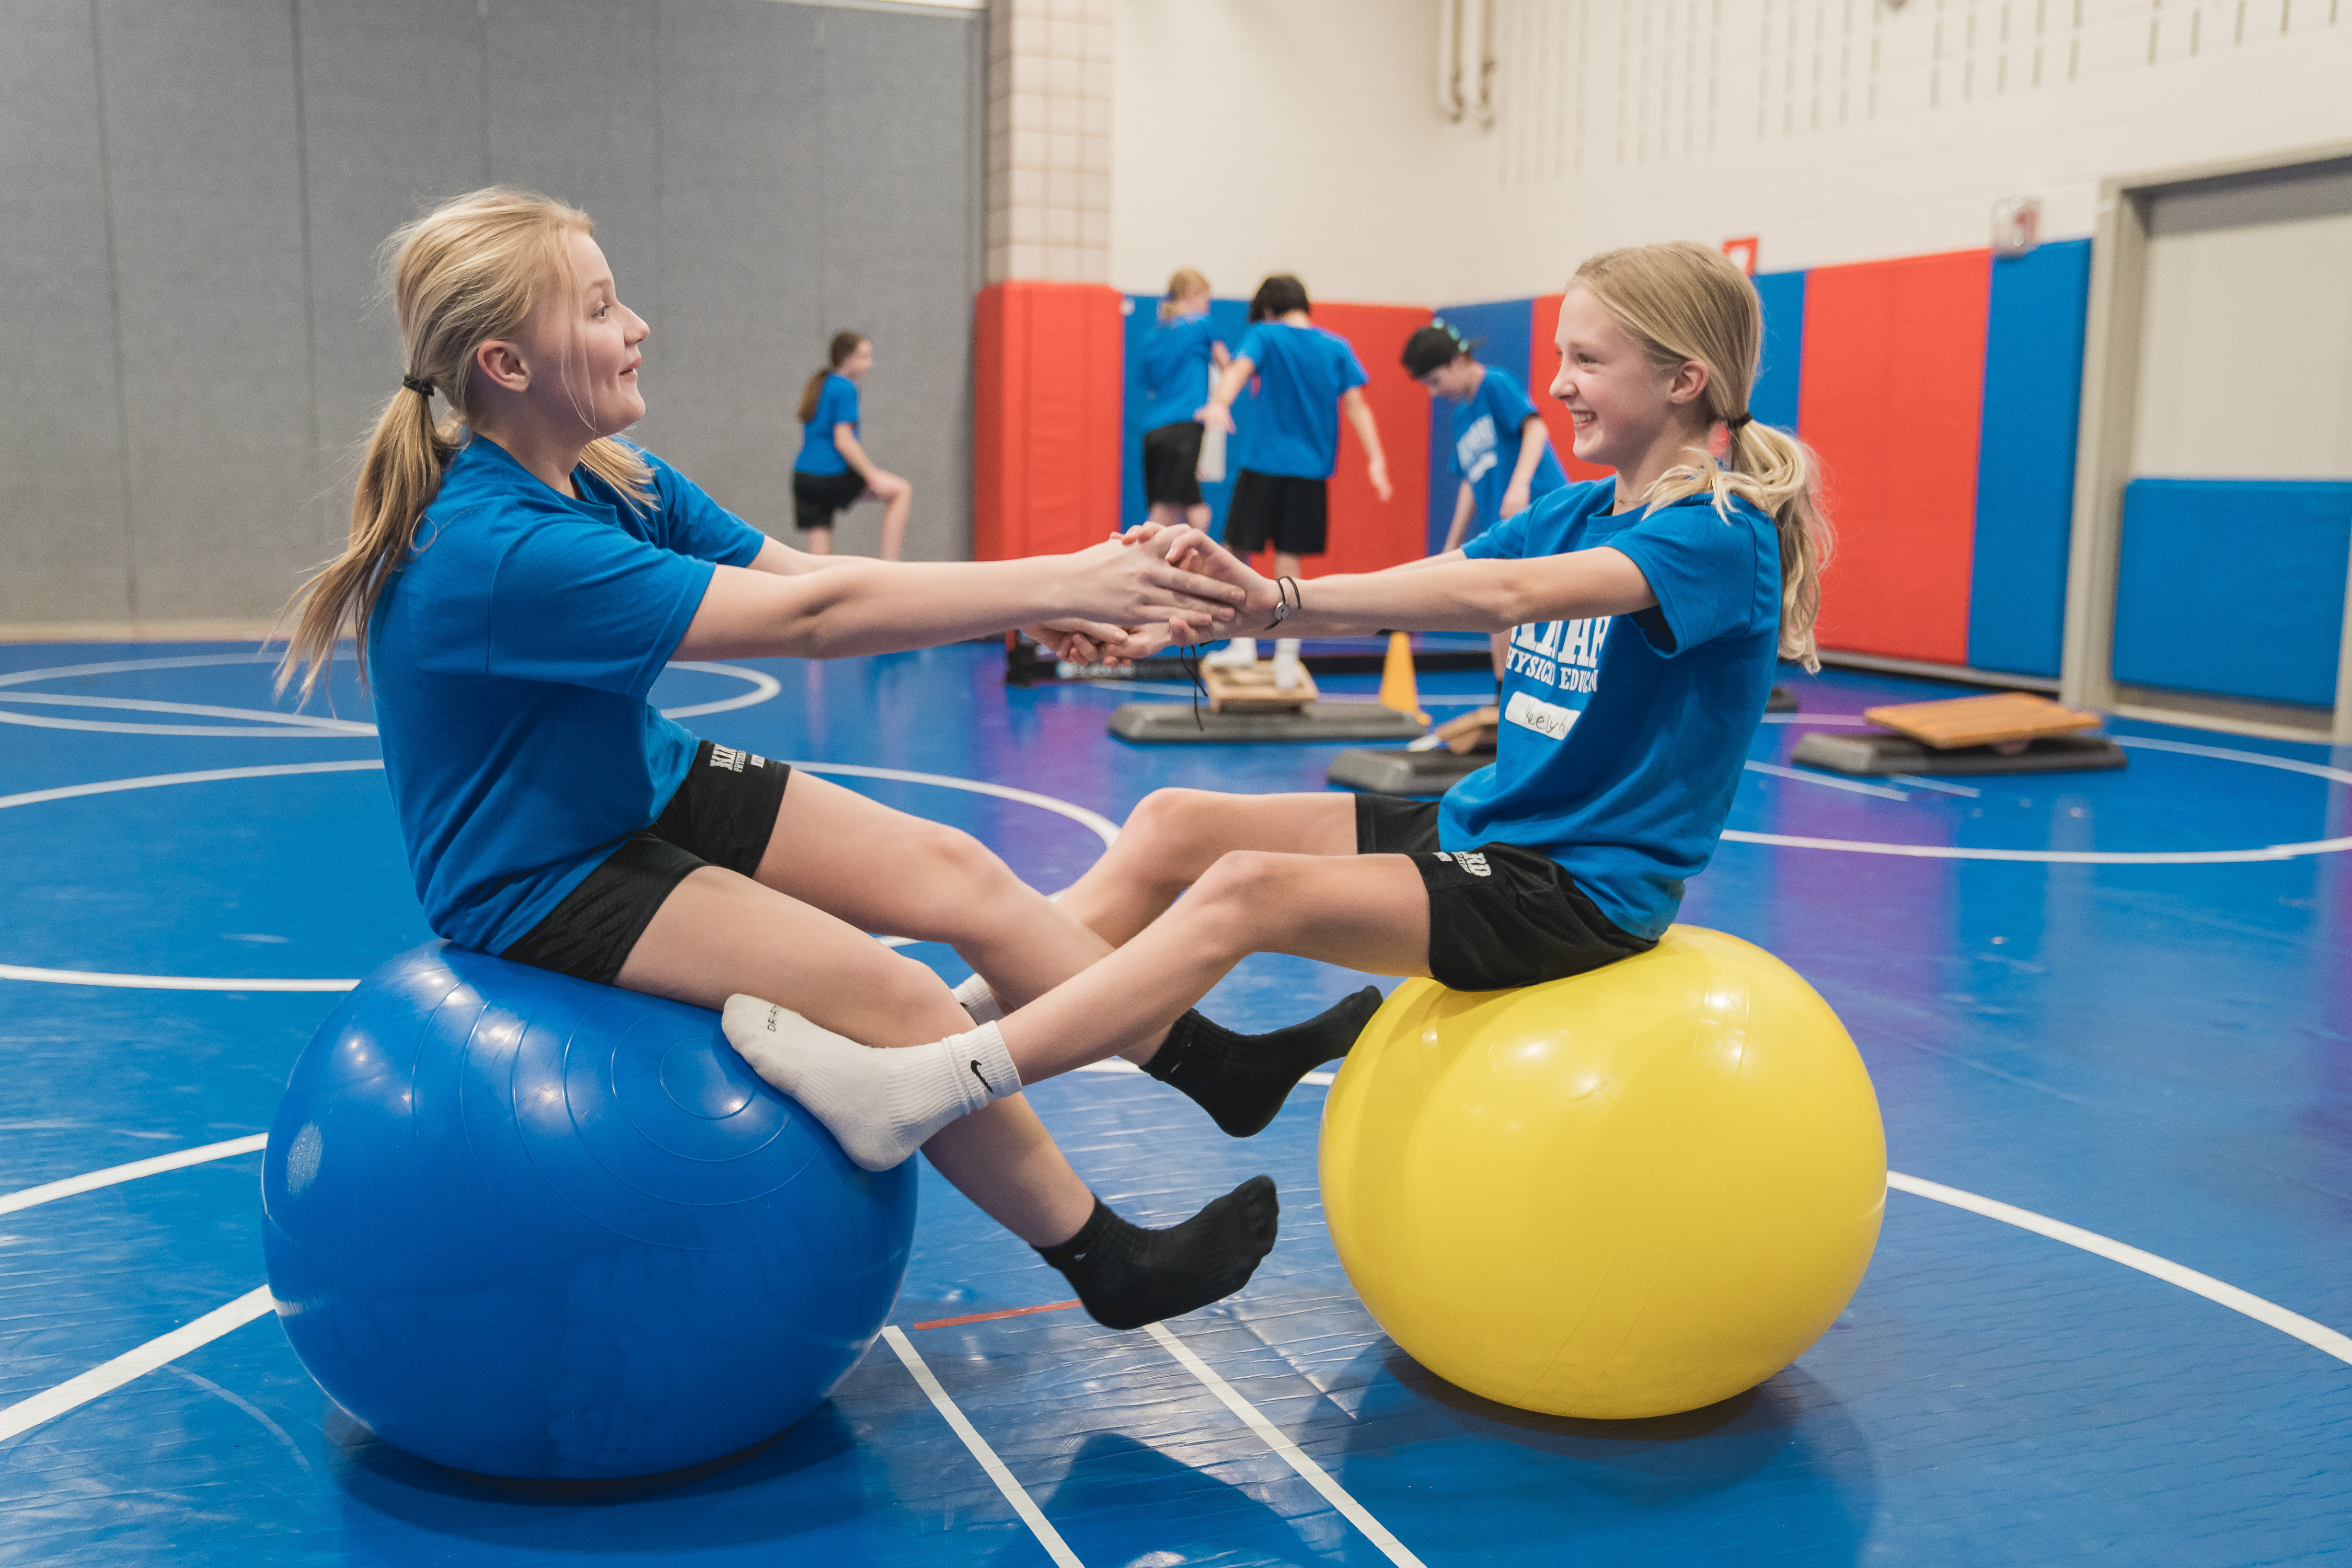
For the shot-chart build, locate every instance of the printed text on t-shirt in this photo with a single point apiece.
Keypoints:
(1565, 654)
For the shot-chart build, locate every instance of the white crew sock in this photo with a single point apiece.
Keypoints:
(882, 1105)
(975, 999)
(1240, 651)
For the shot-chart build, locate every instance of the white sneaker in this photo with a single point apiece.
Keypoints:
(1240, 651)
(1285, 664)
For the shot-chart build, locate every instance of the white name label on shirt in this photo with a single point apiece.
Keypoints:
(1547, 719)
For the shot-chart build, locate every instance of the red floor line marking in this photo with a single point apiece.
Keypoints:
(986, 1317)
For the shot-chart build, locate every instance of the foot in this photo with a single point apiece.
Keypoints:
(882, 1105)
(1240, 651)
(1241, 1081)
(1127, 1275)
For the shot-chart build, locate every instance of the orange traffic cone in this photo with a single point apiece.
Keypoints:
(1398, 689)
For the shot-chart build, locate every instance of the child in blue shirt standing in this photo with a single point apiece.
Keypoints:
(1647, 613)
(1501, 454)
(1307, 378)
(1177, 361)
(833, 472)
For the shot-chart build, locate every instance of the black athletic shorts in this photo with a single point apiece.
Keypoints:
(1499, 915)
(721, 815)
(817, 497)
(1280, 509)
(1171, 464)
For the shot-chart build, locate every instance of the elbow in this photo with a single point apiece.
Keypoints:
(1503, 604)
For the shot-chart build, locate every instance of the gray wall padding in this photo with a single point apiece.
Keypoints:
(195, 192)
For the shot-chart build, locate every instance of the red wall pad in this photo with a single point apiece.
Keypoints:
(1892, 388)
(1543, 363)
(1366, 532)
(1045, 417)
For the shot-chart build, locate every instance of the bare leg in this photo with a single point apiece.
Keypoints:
(818, 541)
(1363, 911)
(1199, 516)
(1175, 835)
(1166, 513)
(899, 499)
(1500, 642)
(1285, 563)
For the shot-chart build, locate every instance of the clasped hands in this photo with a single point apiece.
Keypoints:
(1159, 585)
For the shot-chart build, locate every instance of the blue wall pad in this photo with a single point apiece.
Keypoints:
(1509, 327)
(2234, 586)
(2025, 457)
(1773, 398)
(1139, 412)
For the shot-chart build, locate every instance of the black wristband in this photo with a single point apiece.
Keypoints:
(1283, 600)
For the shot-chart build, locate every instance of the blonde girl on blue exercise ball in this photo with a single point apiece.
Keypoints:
(518, 576)
(1647, 613)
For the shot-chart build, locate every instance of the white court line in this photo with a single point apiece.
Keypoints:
(2319, 1336)
(1120, 1063)
(107, 1376)
(1916, 782)
(48, 1191)
(1102, 827)
(162, 982)
(208, 775)
(1850, 785)
(1023, 1504)
(1315, 1475)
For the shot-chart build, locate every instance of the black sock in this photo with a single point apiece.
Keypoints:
(1242, 1079)
(1127, 1276)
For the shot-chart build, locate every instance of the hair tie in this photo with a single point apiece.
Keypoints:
(421, 385)
(1735, 424)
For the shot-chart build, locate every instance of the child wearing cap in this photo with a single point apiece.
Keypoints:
(1500, 450)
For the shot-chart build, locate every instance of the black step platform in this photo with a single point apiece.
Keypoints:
(1883, 753)
(1165, 723)
(1381, 772)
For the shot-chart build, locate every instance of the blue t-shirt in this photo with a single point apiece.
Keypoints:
(510, 656)
(1176, 359)
(1623, 736)
(1487, 430)
(1293, 423)
(835, 404)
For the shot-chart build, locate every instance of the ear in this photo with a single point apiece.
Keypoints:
(503, 364)
(1689, 383)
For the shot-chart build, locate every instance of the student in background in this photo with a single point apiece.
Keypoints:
(1308, 378)
(1177, 361)
(1501, 451)
(833, 473)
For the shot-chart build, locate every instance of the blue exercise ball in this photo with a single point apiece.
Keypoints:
(525, 1226)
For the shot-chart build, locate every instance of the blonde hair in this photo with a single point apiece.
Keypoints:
(836, 353)
(1182, 282)
(1685, 302)
(472, 269)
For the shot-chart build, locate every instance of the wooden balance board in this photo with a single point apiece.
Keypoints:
(2007, 732)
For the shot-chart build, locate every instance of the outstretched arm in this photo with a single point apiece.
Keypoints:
(1217, 412)
(872, 606)
(1449, 593)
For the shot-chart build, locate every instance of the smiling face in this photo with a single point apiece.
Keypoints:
(1628, 408)
(582, 348)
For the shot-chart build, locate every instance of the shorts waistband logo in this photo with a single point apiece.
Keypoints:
(1470, 860)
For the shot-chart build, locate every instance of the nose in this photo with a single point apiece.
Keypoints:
(638, 330)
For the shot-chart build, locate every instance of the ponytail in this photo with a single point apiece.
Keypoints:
(836, 353)
(471, 270)
(1182, 282)
(1685, 302)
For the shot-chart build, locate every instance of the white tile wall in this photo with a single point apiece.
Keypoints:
(1049, 120)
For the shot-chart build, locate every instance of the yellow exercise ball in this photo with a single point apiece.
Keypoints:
(1631, 1192)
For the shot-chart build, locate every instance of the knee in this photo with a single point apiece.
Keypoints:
(962, 877)
(1239, 882)
(1166, 828)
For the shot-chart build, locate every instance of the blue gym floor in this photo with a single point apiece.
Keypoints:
(2109, 1000)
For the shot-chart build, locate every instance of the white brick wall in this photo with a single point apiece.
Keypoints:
(1049, 140)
